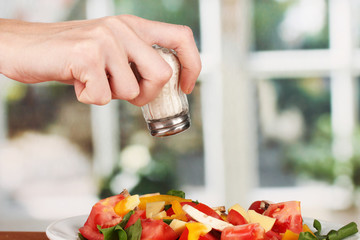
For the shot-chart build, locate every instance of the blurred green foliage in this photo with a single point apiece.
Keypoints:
(314, 158)
(310, 95)
(182, 12)
(268, 16)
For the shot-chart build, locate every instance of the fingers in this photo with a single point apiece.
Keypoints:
(93, 88)
(152, 70)
(129, 39)
(121, 78)
(180, 38)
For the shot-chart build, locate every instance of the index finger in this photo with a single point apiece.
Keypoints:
(177, 37)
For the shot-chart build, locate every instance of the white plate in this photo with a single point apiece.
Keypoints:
(67, 229)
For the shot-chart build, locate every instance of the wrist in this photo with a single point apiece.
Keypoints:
(10, 38)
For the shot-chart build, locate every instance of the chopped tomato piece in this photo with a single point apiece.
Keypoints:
(252, 231)
(184, 235)
(213, 235)
(271, 235)
(103, 214)
(288, 216)
(139, 214)
(157, 229)
(256, 206)
(235, 218)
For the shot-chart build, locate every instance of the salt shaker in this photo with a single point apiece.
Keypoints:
(168, 113)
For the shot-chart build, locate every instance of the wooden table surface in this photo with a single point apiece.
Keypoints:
(23, 236)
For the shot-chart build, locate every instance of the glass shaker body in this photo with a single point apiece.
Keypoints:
(168, 113)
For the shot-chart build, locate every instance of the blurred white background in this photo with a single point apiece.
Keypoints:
(274, 116)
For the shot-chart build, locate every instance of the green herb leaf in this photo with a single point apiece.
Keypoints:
(167, 207)
(317, 226)
(307, 236)
(167, 221)
(134, 231)
(81, 237)
(176, 193)
(113, 233)
(125, 219)
(345, 231)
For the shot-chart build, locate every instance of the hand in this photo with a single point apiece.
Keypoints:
(94, 56)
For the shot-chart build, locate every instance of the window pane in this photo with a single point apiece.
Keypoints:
(46, 145)
(170, 157)
(46, 159)
(295, 132)
(290, 24)
(151, 164)
(183, 12)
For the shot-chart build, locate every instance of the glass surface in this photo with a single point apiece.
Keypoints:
(295, 131)
(290, 24)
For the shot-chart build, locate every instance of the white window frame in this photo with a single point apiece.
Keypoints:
(230, 138)
(341, 62)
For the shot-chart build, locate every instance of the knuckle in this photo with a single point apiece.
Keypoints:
(96, 100)
(186, 32)
(126, 17)
(111, 21)
(137, 102)
(100, 100)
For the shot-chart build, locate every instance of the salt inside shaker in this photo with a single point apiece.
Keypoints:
(168, 113)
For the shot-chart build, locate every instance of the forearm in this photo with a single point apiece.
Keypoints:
(6, 26)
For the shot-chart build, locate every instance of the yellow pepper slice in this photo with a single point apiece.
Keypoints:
(307, 229)
(157, 198)
(179, 213)
(177, 208)
(290, 235)
(196, 230)
(126, 205)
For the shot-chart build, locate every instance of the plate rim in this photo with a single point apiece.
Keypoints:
(49, 232)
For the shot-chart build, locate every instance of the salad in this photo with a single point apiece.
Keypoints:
(173, 217)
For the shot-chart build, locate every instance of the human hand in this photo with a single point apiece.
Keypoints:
(94, 56)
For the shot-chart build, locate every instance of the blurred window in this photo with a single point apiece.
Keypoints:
(290, 24)
(183, 12)
(163, 163)
(295, 131)
(304, 59)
